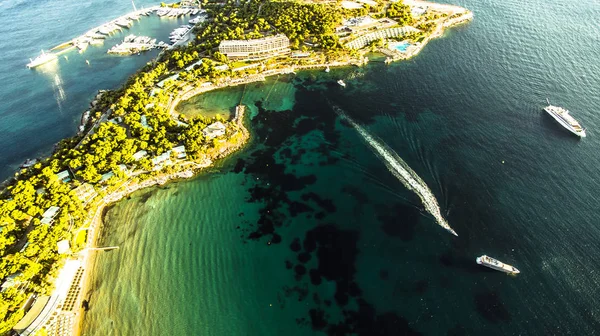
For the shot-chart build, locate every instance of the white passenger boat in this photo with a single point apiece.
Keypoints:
(563, 117)
(497, 265)
(42, 59)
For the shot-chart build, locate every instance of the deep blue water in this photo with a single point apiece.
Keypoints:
(307, 232)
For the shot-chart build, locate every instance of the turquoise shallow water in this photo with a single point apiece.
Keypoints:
(307, 232)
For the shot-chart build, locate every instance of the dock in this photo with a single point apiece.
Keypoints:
(96, 36)
(135, 44)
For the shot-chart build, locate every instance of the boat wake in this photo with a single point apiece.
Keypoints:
(401, 171)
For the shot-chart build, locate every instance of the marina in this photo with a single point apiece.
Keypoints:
(136, 44)
(97, 35)
(93, 35)
(179, 33)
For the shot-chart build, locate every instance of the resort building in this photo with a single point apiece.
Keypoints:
(179, 152)
(48, 216)
(417, 11)
(214, 130)
(257, 49)
(362, 41)
(85, 192)
(368, 2)
(299, 54)
(64, 176)
(351, 5)
(63, 246)
(139, 155)
(170, 79)
(107, 176)
(161, 160)
(144, 122)
(11, 281)
(364, 23)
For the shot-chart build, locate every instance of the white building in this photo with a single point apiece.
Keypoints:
(144, 122)
(256, 49)
(107, 176)
(63, 246)
(363, 40)
(214, 130)
(11, 280)
(49, 215)
(179, 152)
(417, 11)
(139, 155)
(85, 192)
(161, 160)
(64, 176)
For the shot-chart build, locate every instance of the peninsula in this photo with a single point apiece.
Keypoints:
(132, 137)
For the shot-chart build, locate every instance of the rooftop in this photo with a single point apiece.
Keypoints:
(139, 154)
(161, 158)
(64, 176)
(51, 212)
(179, 152)
(214, 130)
(107, 176)
(226, 43)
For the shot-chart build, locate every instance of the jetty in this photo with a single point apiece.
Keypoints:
(136, 44)
(96, 35)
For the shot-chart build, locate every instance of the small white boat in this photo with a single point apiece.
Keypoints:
(28, 163)
(327, 69)
(341, 83)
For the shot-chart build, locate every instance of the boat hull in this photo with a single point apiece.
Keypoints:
(565, 125)
(496, 265)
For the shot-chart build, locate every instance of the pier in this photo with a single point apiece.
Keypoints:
(95, 35)
(135, 44)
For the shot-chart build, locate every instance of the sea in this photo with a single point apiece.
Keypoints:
(310, 230)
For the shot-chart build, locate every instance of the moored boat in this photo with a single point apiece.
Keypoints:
(563, 117)
(341, 83)
(43, 58)
(28, 163)
(497, 265)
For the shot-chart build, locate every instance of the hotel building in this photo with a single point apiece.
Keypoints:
(257, 49)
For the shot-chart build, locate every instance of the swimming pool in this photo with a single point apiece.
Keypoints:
(402, 46)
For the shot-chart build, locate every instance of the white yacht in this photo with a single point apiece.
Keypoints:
(341, 82)
(565, 119)
(497, 265)
(43, 58)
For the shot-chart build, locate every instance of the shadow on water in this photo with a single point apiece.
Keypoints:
(326, 253)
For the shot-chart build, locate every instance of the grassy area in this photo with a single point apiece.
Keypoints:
(239, 64)
(81, 238)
